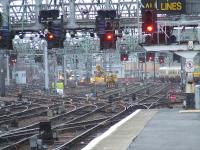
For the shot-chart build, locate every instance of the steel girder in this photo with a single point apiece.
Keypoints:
(23, 15)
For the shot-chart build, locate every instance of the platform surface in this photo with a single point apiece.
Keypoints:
(120, 136)
(170, 130)
(164, 129)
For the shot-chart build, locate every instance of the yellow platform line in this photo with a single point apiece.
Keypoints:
(190, 111)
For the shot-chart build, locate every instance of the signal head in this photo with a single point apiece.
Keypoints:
(149, 18)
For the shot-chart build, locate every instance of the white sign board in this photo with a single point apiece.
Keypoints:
(60, 91)
(190, 45)
(189, 65)
(20, 77)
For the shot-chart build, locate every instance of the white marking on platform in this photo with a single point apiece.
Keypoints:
(190, 111)
(95, 141)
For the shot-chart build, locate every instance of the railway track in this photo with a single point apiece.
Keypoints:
(77, 122)
(87, 119)
(82, 140)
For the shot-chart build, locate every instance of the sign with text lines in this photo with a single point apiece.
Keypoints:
(175, 7)
(171, 6)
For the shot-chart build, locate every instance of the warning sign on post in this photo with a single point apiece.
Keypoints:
(189, 65)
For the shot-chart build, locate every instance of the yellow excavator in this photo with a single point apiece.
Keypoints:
(101, 77)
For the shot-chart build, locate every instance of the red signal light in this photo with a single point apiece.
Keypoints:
(13, 61)
(150, 56)
(161, 60)
(124, 57)
(50, 36)
(109, 36)
(108, 40)
(149, 28)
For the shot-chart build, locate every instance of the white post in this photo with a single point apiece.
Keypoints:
(55, 72)
(107, 4)
(8, 70)
(14, 71)
(198, 33)
(46, 72)
(37, 9)
(179, 32)
(145, 68)
(5, 13)
(63, 11)
(138, 20)
(72, 24)
(46, 4)
(64, 70)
